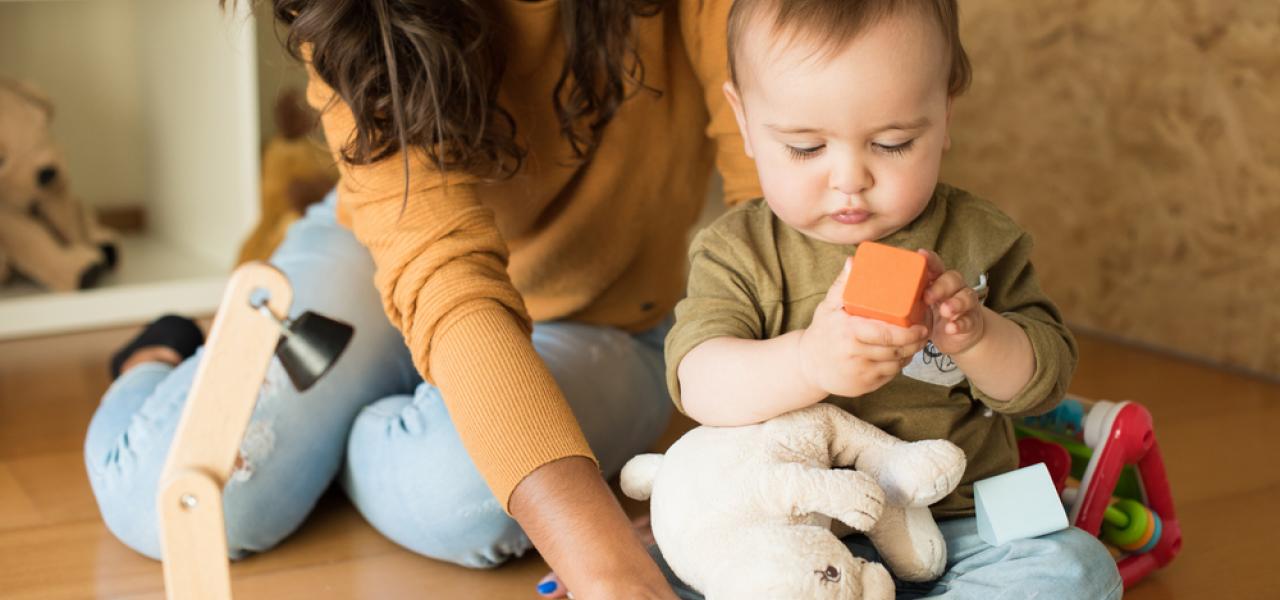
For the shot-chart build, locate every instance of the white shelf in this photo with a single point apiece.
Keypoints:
(154, 277)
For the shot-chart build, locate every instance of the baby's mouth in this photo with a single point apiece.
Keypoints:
(850, 216)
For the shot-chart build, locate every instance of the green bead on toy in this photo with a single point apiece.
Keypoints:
(1130, 526)
(1124, 531)
(1147, 535)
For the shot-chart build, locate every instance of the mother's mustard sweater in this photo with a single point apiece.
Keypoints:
(466, 268)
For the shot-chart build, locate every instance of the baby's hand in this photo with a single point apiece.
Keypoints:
(957, 312)
(850, 356)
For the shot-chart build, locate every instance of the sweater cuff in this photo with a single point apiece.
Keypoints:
(1048, 384)
(508, 410)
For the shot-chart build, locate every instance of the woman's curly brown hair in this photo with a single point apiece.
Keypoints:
(426, 73)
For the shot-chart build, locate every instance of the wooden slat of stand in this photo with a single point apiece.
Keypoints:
(195, 545)
(208, 437)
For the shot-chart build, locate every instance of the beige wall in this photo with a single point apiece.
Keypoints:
(1140, 143)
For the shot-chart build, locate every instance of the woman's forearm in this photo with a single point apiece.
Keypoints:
(728, 381)
(577, 525)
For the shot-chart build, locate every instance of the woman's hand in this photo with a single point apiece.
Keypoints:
(957, 312)
(850, 356)
(551, 586)
(577, 525)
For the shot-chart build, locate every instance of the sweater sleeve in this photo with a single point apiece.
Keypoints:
(722, 301)
(441, 271)
(1015, 293)
(704, 26)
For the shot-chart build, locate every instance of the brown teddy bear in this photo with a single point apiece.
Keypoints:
(46, 234)
(297, 171)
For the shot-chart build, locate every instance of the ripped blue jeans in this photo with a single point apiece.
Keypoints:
(371, 422)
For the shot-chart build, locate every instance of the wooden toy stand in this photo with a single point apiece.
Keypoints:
(204, 450)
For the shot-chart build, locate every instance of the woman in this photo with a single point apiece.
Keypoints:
(518, 181)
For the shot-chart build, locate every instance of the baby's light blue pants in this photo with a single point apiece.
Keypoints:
(1067, 565)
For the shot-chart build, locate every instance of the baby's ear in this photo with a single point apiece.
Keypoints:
(731, 93)
(946, 127)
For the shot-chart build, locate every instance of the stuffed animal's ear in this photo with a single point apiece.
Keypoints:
(31, 93)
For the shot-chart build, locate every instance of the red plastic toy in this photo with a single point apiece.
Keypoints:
(1115, 436)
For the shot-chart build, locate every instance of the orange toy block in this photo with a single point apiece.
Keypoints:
(885, 283)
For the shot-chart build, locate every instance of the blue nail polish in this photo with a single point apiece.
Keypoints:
(546, 587)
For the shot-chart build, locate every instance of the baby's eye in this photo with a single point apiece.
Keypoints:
(804, 152)
(900, 148)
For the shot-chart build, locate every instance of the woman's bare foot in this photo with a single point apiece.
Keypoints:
(170, 339)
(162, 354)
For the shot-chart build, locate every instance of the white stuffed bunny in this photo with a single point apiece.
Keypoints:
(744, 512)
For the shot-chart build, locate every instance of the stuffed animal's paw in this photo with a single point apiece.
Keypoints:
(920, 473)
(910, 543)
(865, 501)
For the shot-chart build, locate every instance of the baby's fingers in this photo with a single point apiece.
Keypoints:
(932, 263)
(876, 354)
(945, 286)
(962, 303)
(964, 324)
(878, 333)
(874, 374)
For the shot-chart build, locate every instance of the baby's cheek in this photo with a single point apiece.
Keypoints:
(774, 177)
(791, 200)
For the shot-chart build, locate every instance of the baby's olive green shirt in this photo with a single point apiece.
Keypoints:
(754, 277)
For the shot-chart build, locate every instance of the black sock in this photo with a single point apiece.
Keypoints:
(180, 334)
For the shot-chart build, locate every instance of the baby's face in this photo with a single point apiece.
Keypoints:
(847, 145)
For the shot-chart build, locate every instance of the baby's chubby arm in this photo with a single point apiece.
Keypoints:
(727, 381)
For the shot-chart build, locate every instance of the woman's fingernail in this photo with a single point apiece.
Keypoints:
(547, 587)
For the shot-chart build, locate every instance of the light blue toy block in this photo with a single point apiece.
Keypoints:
(1018, 504)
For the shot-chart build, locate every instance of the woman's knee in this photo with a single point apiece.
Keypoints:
(258, 513)
(134, 522)
(259, 529)
(130, 518)
(129, 511)
(410, 476)
(477, 536)
(440, 513)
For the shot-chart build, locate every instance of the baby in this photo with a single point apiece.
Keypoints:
(844, 105)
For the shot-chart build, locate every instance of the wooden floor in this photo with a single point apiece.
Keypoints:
(1218, 431)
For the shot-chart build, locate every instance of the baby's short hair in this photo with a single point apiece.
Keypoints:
(830, 24)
